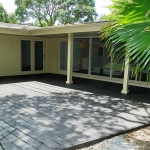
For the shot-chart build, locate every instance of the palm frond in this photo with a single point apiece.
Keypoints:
(132, 33)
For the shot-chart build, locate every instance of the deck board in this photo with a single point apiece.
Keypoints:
(8, 145)
(44, 113)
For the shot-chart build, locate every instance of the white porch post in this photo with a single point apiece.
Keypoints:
(126, 77)
(70, 58)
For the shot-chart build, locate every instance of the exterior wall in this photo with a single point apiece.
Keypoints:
(52, 48)
(9, 55)
(53, 55)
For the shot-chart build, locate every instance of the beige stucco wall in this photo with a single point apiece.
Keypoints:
(53, 55)
(10, 55)
(52, 48)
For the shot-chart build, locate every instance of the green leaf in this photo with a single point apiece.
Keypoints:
(132, 30)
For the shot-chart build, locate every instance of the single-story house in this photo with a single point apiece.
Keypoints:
(72, 50)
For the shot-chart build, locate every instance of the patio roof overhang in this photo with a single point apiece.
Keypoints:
(25, 30)
(9, 31)
(69, 30)
(76, 28)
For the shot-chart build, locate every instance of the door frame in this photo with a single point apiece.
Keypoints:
(33, 71)
(38, 71)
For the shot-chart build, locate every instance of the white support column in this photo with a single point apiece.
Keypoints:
(70, 59)
(126, 77)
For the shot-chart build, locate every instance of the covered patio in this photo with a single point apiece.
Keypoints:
(42, 112)
(73, 50)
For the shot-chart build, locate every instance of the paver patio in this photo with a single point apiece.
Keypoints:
(42, 112)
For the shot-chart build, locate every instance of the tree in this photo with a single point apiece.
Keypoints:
(117, 10)
(50, 12)
(11, 18)
(131, 28)
(7, 18)
(3, 14)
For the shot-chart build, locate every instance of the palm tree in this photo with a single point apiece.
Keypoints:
(129, 35)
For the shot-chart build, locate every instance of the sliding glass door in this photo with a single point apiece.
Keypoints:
(63, 55)
(92, 59)
(81, 55)
(100, 60)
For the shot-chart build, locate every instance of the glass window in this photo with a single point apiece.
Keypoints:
(38, 55)
(140, 76)
(81, 55)
(143, 75)
(117, 68)
(63, 55)
(132, 68)
(100, 60)
(26, 55)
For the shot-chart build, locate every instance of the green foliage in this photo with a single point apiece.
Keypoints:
(3, 14)
(7, 18)
(132, 30)
(11, 18)
(50, 12)
(118, 9)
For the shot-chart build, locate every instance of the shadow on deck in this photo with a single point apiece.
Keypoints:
(42, 112)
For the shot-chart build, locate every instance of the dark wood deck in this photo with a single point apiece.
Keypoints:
(42, 112)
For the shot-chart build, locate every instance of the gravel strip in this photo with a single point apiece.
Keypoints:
(125, 142)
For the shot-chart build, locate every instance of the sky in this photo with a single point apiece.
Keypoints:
(101, 6)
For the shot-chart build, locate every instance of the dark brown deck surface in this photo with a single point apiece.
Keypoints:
(42, 112)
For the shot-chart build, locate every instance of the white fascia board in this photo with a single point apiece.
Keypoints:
(90, 27)
(10, 31)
